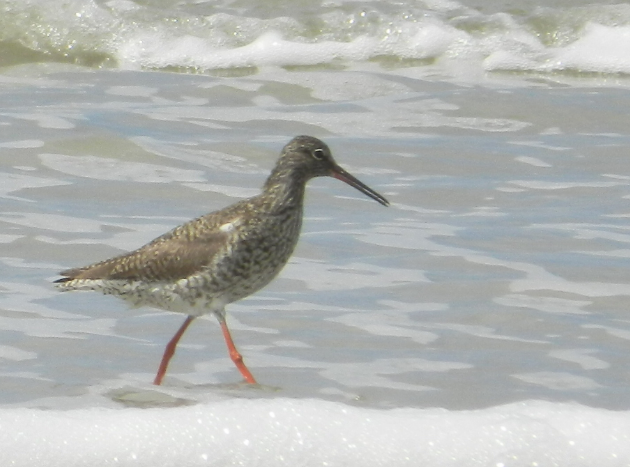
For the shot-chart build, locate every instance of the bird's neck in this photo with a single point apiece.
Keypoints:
(285, 186)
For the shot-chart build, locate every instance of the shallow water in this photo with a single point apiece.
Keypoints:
(501, 264)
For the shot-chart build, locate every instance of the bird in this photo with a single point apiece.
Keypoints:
(209, 262)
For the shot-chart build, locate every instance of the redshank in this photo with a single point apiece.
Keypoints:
(209, 262)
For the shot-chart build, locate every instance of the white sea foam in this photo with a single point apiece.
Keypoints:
(438, 35)
(313, 433)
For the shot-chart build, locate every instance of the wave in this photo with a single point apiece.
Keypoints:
(200, 37)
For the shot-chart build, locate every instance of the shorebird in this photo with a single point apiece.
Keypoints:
(216, 259)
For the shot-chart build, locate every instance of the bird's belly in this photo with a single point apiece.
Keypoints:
(188, 296)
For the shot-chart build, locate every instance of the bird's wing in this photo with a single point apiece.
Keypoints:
(169, 260)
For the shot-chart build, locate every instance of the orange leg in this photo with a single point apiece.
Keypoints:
(236, 357)
(170, 350)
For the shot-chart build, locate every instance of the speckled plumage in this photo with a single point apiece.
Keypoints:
(206, 263)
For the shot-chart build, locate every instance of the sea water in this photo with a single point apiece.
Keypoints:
(481, 319)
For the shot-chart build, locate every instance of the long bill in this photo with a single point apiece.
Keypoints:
(351, 180)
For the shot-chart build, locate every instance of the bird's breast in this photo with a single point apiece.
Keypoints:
(253, 256)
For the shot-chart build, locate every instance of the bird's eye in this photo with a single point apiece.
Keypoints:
(318, 154)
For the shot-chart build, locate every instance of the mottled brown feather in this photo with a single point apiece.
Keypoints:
(158, 261)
